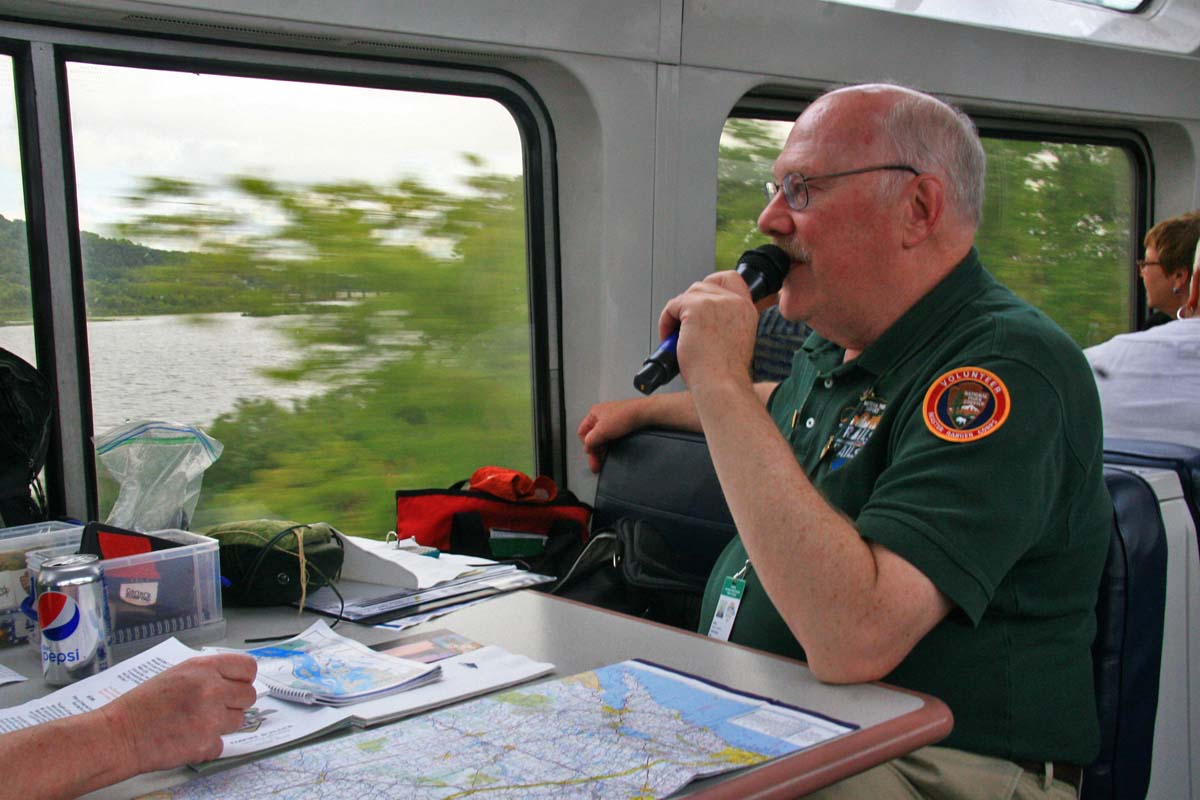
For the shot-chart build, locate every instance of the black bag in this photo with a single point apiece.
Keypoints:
(26, 406)
(632, 568)
(267, 562)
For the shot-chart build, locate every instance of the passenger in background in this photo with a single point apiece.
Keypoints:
(776, 342)
(175, 718)
(1149, 380)
(1167, 267)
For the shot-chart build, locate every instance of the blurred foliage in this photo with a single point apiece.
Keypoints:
(1057, 225)
(425, 350)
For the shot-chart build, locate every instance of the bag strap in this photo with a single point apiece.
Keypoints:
(600, 551)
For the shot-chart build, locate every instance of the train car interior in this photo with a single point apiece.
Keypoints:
(374, 246)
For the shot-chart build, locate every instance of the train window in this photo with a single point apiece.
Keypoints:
(16, 298)
(331, 280)
(1058, 228)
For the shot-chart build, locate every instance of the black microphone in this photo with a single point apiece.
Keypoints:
(763, 270)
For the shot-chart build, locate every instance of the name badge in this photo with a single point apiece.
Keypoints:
(727, 605)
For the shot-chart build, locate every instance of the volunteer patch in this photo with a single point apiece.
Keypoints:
(966, 404)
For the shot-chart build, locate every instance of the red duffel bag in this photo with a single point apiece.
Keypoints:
(498, 513)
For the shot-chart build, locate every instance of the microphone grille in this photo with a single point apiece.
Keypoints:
(771, 262)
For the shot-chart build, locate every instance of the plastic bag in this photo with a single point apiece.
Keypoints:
(159, 466)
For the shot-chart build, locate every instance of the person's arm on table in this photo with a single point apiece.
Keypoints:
(175, 718)
(855, 607)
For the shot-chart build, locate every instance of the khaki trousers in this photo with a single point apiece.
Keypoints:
(942, 773)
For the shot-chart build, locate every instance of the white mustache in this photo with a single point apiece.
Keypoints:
(794, 251)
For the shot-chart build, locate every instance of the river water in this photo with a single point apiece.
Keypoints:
(181, 368)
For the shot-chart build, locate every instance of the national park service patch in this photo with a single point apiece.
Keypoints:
(966, 404)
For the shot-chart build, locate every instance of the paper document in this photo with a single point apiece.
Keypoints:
(412, 621)
(631, 729)
(96, 690)
(428, 646)
(373, 561)
(10, 676)
(324, 668)
(273, 723)
(370, 603)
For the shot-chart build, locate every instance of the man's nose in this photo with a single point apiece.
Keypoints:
(776, 218)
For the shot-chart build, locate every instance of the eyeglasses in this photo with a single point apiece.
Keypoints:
(1143, 263)
(795, 185)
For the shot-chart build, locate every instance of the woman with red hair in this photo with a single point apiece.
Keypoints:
(1149, 380)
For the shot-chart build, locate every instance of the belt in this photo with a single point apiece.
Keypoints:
(1067, 773)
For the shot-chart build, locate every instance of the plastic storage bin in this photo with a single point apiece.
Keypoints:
(16, 627)
(152, 596)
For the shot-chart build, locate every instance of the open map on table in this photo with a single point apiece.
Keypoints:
(632, 729)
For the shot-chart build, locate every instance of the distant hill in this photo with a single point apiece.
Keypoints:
(112, 267)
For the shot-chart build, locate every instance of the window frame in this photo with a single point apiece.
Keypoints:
(40, 56)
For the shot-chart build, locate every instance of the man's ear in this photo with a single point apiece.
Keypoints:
(924, 201)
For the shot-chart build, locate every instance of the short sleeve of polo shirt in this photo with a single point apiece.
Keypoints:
(961, 507)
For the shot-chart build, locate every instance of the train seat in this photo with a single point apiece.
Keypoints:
(1181, 459)
(1127, 651)
(667, 478)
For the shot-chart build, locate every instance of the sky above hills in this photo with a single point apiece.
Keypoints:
(128, 123)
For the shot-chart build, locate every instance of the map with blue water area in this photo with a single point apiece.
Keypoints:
(629, 730)
(323, 667)
(335, 674)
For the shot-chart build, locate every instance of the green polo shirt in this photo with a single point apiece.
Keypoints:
(967, 439)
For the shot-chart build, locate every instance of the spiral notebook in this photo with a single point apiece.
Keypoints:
(319, 667)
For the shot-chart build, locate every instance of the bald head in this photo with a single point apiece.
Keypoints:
(910, 127)
(868, 237)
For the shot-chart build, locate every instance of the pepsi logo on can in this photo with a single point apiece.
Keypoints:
(59, 615)
(72, 612)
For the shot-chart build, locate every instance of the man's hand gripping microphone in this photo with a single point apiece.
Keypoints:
(763, 270)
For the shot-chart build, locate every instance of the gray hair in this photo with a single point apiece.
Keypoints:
(934, 136)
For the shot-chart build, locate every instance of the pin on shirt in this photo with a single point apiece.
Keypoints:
(855, 430)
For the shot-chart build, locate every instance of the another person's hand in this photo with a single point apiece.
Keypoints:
(604, 423)
(177, 717)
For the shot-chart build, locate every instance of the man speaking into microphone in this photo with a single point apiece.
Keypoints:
(922, 500)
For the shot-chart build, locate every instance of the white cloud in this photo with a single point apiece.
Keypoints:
(128, 123)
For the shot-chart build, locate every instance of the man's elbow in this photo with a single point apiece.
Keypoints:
(851, 663)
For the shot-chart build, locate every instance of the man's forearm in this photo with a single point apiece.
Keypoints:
(64, 758)
(667, 410)
(678, 410)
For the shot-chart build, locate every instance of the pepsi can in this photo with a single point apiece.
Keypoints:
(72, 617)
